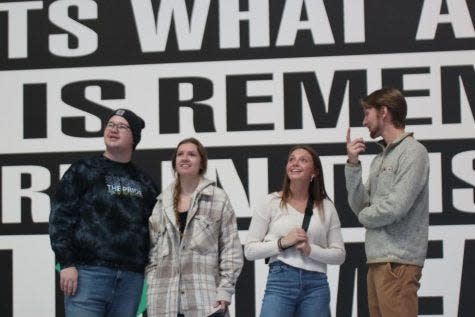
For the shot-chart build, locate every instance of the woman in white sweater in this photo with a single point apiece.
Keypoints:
(297, 283)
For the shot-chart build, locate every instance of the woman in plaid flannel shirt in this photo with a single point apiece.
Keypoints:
(196, 255)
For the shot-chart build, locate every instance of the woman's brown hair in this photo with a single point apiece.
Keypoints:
(316, 187)
(204, 165)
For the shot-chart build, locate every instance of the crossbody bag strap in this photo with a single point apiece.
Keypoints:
(308, 214)
(306, 218)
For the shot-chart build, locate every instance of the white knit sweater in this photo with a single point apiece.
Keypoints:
(270, 222)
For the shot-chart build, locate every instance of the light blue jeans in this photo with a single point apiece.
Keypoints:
(291, 291)
(104, 291)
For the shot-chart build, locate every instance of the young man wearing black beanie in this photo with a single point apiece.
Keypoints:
(99, 225)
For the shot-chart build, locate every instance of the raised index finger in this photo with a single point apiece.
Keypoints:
(348, 138)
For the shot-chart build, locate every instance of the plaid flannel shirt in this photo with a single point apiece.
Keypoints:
(201, 268)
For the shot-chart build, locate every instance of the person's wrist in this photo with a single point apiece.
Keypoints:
(282, 244)
(353, 161)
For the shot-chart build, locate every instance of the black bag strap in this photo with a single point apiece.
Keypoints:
(308, 214)
(306, 218)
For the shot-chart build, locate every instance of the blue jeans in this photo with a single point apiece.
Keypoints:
(291, 291)
(217, 314)
(104, 291)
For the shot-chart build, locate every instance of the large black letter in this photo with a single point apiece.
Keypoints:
(293, 82)
(354, 266)
(6, 280)
(170, 103)
(245, 291)
(467, 289)
(450, 79)
(34, 111)
(394, 78)
(74, 95)
(237, 100)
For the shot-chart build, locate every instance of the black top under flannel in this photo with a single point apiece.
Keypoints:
(99, 215)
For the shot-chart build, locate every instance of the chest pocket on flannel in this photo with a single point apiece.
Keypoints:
(204, 234)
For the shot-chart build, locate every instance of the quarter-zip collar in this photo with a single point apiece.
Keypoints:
(386, 148)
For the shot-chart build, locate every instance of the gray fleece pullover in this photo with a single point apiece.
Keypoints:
(393, 205)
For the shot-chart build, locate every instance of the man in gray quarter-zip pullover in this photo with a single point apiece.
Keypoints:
(392, 205)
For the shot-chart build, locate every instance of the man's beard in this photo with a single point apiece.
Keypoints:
(374, 133)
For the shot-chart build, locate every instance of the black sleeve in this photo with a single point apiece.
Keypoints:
(64, 215)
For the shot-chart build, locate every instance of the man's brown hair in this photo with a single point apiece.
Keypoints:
(393, 99)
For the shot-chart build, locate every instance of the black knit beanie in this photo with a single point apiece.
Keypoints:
(135, 122)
